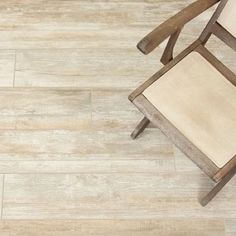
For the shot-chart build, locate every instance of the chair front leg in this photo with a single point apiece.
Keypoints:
(205, 200)
(140, 128)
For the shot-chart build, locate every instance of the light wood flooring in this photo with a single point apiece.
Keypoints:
(67, 164)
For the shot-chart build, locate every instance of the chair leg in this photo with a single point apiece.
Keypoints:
(205, 200)
(140, 128)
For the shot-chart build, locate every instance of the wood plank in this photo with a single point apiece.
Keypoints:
(2, 178)
(45, 109)
(164, 227)
(111, 110)
(103, 68)
(162, 154)
(44, 15)
(96, 165)
(42, 25)
(62, 102)
(80, 142)
(86, 37)
(116, 196)
(230, 225)
(42, 109)
(7, 68)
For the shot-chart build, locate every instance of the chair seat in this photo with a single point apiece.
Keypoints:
(201, 103)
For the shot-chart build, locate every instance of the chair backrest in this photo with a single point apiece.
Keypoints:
(227, 18)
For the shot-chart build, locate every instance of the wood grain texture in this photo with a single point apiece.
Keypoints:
(7, 67)
(80, 142)
(165, 227)
(102, 68)
(2, 179)
(45, 109)
(111, 110)
(230, 226)
(106, 196)
(65, 148)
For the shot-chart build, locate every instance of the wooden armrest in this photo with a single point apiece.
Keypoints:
(169, 27)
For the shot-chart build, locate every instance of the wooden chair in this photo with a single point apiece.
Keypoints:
(192, 99)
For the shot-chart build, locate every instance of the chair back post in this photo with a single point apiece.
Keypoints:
(207, 32)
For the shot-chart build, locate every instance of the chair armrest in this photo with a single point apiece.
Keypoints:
(169, 27)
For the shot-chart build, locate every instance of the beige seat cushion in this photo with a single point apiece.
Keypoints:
(201, 104)
(228, 17)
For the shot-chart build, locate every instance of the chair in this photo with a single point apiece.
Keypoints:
(192, 99)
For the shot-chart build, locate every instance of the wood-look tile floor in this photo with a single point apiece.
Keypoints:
(67, 164)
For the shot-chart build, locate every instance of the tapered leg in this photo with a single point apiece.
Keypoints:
(140, 128)
(205, 200)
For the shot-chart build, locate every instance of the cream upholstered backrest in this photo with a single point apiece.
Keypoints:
(227, 18)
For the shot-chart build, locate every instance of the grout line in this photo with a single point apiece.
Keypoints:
(14, 72)
(3, 183)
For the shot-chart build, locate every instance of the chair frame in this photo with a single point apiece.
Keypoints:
(172, 28)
